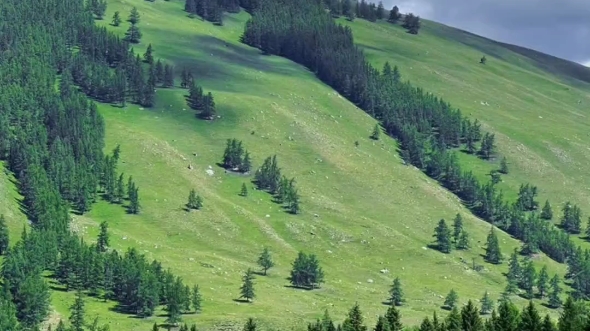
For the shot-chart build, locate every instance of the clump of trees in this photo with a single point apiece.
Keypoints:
(235, 157)
(306, 272)
(195, 201)
(211, 10)
(133, 34)
(203, 103)
(268, 177)
(412, 23)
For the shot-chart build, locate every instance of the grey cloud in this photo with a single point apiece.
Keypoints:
(559, 27)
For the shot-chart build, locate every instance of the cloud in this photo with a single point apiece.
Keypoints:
(557, 28)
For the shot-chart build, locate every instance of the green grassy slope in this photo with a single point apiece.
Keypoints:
(9, 207)
(363, 211)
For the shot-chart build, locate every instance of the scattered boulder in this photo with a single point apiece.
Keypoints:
(210, 172)
(370, 281)
(190, 166)
(384, 271)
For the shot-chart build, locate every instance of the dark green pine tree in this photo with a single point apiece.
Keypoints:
(493, 254)
(192, 200)
(573, 316)
(548, 324)
(103, 237)
(454, 321)
(174, 301)
(514, 275)
(508, 316)
(382, 324)
(554, 299)
(208, 111)
(463, 242)
(159, 72)
(426, 325)
(483, 60)
(380, 11)
(134, 16)
(376, 132)
(77, 313)
(196, 299)
(394, 15)
(133, 35)
(199, 203)
(8, 320)
(196, 99)
(451, 299)
(116, 19)
(3, 235)
(457, 228)
(247, 289)
(487, 304)
(246, 163)
(244, 190)
(134, 205)
(190, 7)
(470, 319)
(168, 76)
(442, 233)
(396, 293)
(547, 212)
(185, 78)
(394, 318)
(120, 189)
(250, 325)
(354, 320)
(543, 282)
(265, 260)
(529, 279)
(148, 56)
(530, 320)
(504, 166)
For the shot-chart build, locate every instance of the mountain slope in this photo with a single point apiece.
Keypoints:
(363, 211)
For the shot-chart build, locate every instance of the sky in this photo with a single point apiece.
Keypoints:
(556, 27)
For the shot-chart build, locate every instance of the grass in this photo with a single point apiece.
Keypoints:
(363, 211)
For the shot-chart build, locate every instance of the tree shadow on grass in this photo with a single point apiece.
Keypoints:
(241, 300)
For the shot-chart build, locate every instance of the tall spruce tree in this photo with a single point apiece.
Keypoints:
(148, 56)
(470, 318)
(394, 15)
(542, 282)
(457, 228)
(133, 35)
(396, 293)
(515, 273)
(354, 320)
(504, 166)
(451, 299)
(442, 233)
(393, 316)
(4, 239)
(573, 316)
(247, 289)
(463, 242)
(265, 260)
(168, 80)
(196, 299)
(116, 19)
(77, 313)
(487, 304)
(103, 237)
(554, 299)
(134, 16)
(530, 320)
(376, 132)
(547, 212)
(529, 279)
(493, 254)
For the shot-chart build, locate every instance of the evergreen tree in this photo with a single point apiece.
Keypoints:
(443, 237)
(530, 320)
(168, 80)
(547, 213)
(199, 202)
(571, 221)
(208, 111)
(554, 299)
(493, 254)
(483, 60)
(3, 235)
(380, 11)
(548, 324)
(470, 318)
(454, 322)
(246, 164)
(244, 190)
(265, 260)
(573, 316)
(457, 228)
(376, 132)
(354, 320)
(134, 205)
(394, 319)
(394, 15)
(504, 166)
(250, 325)
(412, 23)
(382, 324)
(133, 35)
(134, 16)
(77, 313)
(451, 299)
(487, 304)
(174, 301)
(306, 271)
(120, 189)
(463, 240)
(196, 100)
(529, 278)
(247, 289)
(542, 282)
(8, 320)
(192, 200)
(396, 293)
(103, 237)
(148, 56)
(116, 19)
(196, 299)
(515, 273)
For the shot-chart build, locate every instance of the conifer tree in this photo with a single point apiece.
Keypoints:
(250, 325)
(394, 15)
(174, 301)
(380, 11)
(196, 100)
(376, 132)
(159, 72)
(396, 293)
(508, 316)
(470, 318)
(554, 299)
(148, 56)
(463, 241)
(77, 313)
(382, 324)
(196, 299)
(542, 282)
(451, 299)
(453, 321)
(504, 166)
(4, 240)
(265, 260)
(457, 228)
(529, 278)
(548, 324)
(120, 189)
(354, 320)
(103, 237)
(483, 60)
(133, 35)
(246, 164)
(134, 205)
(530, 320)
(247, 289)
(168, 76)
(573, 316)
(244, 190)
(199, 202)
(547, 213)
(134, 16)
(514, 274)
(192, 200)
(116, 19)
(208, 111)
(394, 319)
(487, 304)
(443, 237)
(493, 254)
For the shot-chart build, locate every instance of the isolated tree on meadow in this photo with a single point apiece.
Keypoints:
(194, 200)
(244, 190)
(442, 233)
(116, 19)
(463, 242)
(265, 260)
(376, 132)
(134, 16)
(4, 239)
(457, 227)
(396, 293)
(133, 35)
(504, 166)
(487, 304)
(247, 289)
(451, 299)
(103, 237)
(483, 60)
